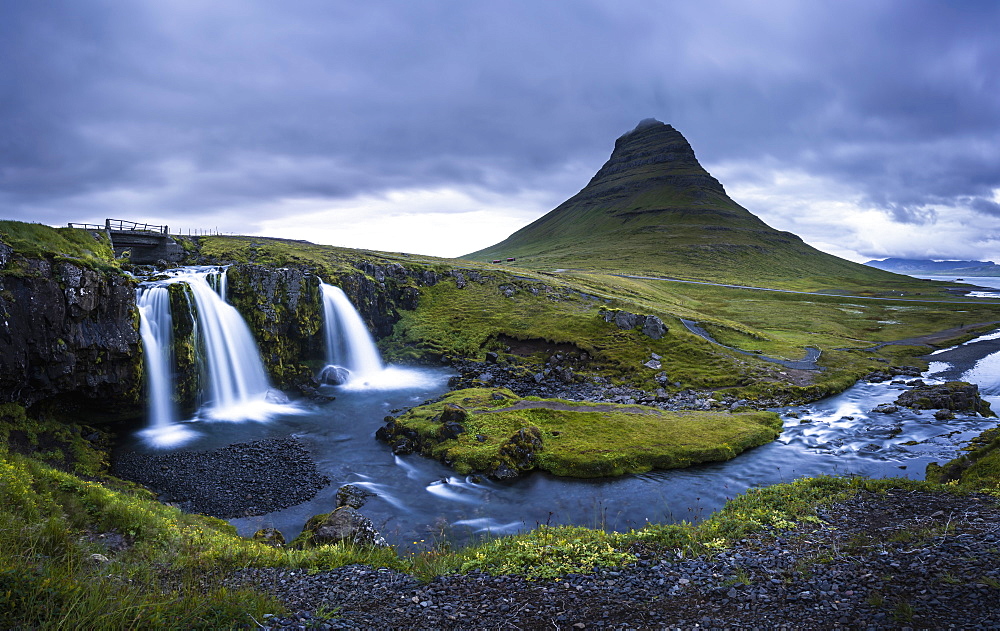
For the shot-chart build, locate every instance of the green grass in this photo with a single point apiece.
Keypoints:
(588, 440)
(325, 260)
(33, 240)
(976, 470)
(468, 322)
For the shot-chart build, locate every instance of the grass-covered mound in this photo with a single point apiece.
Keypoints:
(35, 240)
(495, 431)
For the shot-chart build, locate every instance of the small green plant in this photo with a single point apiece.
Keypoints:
(547, 552)
(990, 582)
(903, 612)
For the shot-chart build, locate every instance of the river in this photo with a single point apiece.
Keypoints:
(420, 500)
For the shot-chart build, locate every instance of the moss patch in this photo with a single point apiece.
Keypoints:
(577, 439)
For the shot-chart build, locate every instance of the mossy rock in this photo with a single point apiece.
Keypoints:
(270, 536)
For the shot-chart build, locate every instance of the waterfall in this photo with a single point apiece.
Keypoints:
(236, 377)
(348, 342)
(237, 385)
(156, 331)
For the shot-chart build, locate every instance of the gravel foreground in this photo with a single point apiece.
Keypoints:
(904, 559)
(238, 480)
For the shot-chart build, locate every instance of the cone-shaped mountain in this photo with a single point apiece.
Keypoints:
(652, 208)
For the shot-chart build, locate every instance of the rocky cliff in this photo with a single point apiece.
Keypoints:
(69, 337)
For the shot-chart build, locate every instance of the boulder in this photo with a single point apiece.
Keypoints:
(518, 453)
(653, 327)
(270, 536)
(625, 320)
(403, 446)
(451, 430)
(345, 524)
(956, 396)
(452, 413)
(334, 375)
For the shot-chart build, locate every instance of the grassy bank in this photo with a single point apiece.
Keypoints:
(524, 301)
(33, 240)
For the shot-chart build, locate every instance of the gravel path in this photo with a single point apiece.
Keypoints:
(900, 560)
(239, 480)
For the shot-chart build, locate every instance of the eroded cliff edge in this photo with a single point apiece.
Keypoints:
(69, 337)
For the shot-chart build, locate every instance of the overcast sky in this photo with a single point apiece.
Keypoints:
(870, 128)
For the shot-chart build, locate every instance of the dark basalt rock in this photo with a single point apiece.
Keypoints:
(343, 524)
(652, 326)
(957, 396)
(270, 536)
(452, 413)
(352, 496)
(518, 453)
(334, 375)
(69, 337)
(878, 376)
(451, 430)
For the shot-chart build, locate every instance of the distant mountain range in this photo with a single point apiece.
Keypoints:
(653, 209)
(942, 268)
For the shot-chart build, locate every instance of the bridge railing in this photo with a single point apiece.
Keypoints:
(121, 225)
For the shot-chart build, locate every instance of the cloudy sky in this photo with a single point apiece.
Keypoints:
(870, 128)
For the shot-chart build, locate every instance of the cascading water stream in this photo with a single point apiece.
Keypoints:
(353, 360)
(348, 342)
(155, 329)
(236, 376)
(238, 387)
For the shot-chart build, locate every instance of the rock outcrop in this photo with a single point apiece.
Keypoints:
(283, 307)
(284, 310)
(650, 325)
(344, 524)
(955, 396)
(69, 338)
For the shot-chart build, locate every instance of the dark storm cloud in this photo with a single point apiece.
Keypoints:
(190, 107)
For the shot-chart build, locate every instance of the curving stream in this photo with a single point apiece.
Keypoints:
(419, 500)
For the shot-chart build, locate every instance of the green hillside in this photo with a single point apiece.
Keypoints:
(653, 209)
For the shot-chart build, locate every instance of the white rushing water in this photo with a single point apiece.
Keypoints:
(350, 345)
(348, 342)
(156, 331)
(237, 385)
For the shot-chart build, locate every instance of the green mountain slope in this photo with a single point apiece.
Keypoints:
(652, 208)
